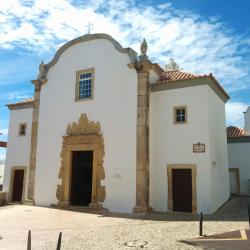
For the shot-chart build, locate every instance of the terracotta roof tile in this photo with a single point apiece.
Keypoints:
(177, 75)
(27, 100)
(235, 132)
(3, 144)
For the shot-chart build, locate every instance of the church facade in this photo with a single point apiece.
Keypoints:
(107, 128)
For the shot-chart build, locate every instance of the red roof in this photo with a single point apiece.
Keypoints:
(27, 100)
(235, 132)
(3, 144)
(177, 75)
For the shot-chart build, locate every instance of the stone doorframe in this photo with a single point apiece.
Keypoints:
(82, 136)
(12, 175)
(193, 169)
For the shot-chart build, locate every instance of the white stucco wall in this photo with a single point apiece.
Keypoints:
(173, 144)
(218, 151)
(18, 147)
(239, 158)
(114, 106)
(1, 171)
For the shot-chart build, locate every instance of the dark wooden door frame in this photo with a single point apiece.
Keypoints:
(182, 190)
(12, 176)
(193, 168)
(80, 168)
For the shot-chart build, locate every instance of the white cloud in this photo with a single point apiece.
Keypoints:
(197, 44)
(2, 154)
(234, 112)
(3, 131)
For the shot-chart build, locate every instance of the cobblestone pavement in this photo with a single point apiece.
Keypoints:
(85, 230)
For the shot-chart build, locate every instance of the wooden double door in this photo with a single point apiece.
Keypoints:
(18, 182)
(81, 178)
(182, 190)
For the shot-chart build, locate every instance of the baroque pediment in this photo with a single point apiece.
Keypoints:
(83, 127)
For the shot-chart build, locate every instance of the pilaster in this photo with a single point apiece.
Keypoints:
(33, 145)
(142, 148)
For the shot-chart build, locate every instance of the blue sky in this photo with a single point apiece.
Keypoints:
(203, 36)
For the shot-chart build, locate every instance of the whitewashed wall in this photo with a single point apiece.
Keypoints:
(239, 158)
(1, 171)
(114, 106)
(18, 147)
(172, 144)
(218, 151)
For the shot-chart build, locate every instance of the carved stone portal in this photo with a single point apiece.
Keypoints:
(81, 136)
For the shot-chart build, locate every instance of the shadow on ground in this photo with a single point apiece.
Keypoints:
(235, 209)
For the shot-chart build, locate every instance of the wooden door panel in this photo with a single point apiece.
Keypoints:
(182, 190)
(18, 185)
(81, 177)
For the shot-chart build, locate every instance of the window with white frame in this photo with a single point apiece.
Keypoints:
(180, 115)
(85, 80)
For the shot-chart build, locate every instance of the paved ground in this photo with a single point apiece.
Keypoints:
(84, 230)
(239, 239)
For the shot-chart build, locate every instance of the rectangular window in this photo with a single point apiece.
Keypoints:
(180, 115)
(85, 81)
(22, 129)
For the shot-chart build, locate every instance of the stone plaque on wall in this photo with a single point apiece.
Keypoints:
(199, 148)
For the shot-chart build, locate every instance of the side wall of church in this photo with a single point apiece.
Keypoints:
(218, 151)
(173, 143)
(113, 106)
(18, 147)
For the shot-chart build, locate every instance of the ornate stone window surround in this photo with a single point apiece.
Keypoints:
(12, 175)
(78, 73)
(82, 136)
(193, 168)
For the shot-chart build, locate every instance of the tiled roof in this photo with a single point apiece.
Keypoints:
(26, 103)
(177, 75)
(3, 144)
(235, 132)
(27, 100)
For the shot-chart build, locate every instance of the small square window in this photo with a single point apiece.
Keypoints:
(22, 129)
(180, 115)
(84, 84)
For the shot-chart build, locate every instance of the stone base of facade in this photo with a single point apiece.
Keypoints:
(95, 206)
(3, 198)
(67, 204)
(139, 209)
(64, 204)
(28, 202)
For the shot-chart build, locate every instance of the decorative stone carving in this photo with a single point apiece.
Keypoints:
(84, 135)
(42, 71)
(144, 48)
(84, 126)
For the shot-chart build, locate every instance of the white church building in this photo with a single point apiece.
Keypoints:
(108, 128)
(238, 141)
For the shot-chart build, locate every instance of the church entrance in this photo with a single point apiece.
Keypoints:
(81, 178)
(17, 191)
(182, 190)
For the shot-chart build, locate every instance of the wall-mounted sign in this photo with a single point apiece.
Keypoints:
(199, 148)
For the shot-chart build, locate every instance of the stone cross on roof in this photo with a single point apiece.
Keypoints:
(90, 26)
